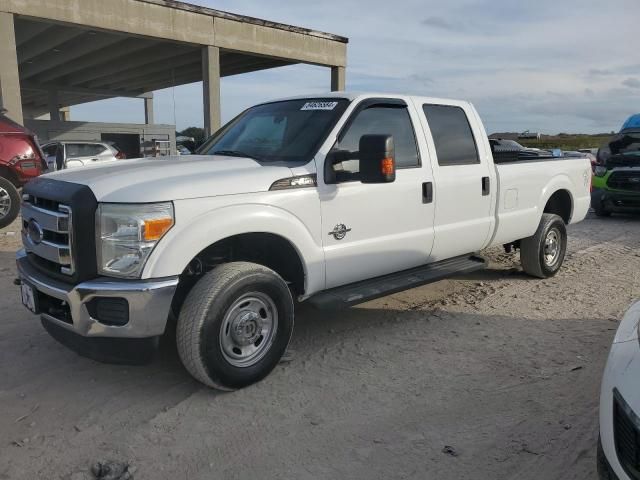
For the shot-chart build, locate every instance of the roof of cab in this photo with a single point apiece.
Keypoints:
(355, 95)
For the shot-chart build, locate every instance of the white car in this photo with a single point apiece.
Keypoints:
(619, 446)
(334, 200)
(67, 154)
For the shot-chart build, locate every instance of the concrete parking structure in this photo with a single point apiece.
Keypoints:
(58, 54)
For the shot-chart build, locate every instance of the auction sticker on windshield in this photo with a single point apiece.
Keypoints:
(319, 106)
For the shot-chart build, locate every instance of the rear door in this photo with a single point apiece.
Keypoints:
(370, 230)
(464, 187)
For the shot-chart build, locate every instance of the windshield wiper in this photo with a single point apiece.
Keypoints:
(235, 153)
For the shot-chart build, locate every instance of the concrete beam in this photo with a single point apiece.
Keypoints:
(89, 61)
(33, 86)
(134, 17)
(92, 44)
(338, 79)
(29, 31)
(9, 78)
(182, 77)
(47, 42)
(162, 68)
(148, 110)
(136, 61)
(211, 89)
(270, 42)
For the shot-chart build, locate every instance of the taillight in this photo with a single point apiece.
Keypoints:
(121, 156)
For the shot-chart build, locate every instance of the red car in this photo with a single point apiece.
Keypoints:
(20, 161)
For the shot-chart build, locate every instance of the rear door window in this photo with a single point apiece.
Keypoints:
(452, 135)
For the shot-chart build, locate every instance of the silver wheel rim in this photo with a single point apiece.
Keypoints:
(5, 202)
(248, 329)
(551, 247)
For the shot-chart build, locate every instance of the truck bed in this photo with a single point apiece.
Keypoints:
(520, 197)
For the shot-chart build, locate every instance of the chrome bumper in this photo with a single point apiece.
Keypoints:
(149, 302)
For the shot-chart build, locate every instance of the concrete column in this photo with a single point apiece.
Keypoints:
(54, 107)
(148, 111)
(211, 88)
(10, 98)
(338, 78)
(65, 114)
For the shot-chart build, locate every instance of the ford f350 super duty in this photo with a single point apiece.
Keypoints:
(333, 200)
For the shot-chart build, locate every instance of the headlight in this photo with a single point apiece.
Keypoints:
(127, 233)
(600, 171)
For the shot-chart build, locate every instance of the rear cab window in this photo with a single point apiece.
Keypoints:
(452, 135)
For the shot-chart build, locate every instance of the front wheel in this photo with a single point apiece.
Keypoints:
(600, 210)
(235, 325)
(542, 254)
(9, 202)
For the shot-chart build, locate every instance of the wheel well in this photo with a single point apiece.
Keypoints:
(561, 204)
(267, 249)
(10, 175)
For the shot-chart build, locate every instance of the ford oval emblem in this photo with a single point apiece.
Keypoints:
(35, 232)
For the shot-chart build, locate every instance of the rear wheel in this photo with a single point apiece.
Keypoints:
(542, 254)
(9, 202)
(235, 325)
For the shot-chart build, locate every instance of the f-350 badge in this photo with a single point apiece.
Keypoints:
(340, 231)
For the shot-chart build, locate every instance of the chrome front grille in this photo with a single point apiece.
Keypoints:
(47, 232)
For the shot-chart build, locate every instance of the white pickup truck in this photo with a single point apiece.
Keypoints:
(334, 200)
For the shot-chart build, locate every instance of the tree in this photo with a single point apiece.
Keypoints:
(196, 132)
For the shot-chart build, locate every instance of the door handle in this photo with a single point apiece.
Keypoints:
(486, 186)
(427, 192)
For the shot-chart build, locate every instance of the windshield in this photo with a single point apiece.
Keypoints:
(288, 131)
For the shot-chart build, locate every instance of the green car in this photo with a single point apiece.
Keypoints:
(616, 180)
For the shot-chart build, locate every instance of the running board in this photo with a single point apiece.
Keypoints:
(365, 290)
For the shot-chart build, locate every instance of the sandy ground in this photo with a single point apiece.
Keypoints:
(502, 368)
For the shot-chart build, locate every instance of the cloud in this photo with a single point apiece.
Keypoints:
(438, 22)
(631, 83)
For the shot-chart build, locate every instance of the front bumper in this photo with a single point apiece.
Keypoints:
(149, 302)
(620, 399)
(616, 201)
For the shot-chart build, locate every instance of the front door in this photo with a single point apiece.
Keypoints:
(370, 230)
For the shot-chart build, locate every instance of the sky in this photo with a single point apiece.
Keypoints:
(548, 66)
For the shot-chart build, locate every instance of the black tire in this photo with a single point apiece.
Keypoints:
(600, 211)
(216, 301)
(8, 193)
(533, 249)
(604, 470)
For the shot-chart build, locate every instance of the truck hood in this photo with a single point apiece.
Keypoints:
(174, 178)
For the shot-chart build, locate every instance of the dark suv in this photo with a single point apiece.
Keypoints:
(20, 160)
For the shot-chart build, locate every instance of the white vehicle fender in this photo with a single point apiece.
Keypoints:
(558, 182)
(192, 235)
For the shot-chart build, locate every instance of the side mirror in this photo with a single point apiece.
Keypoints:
(377, 159)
